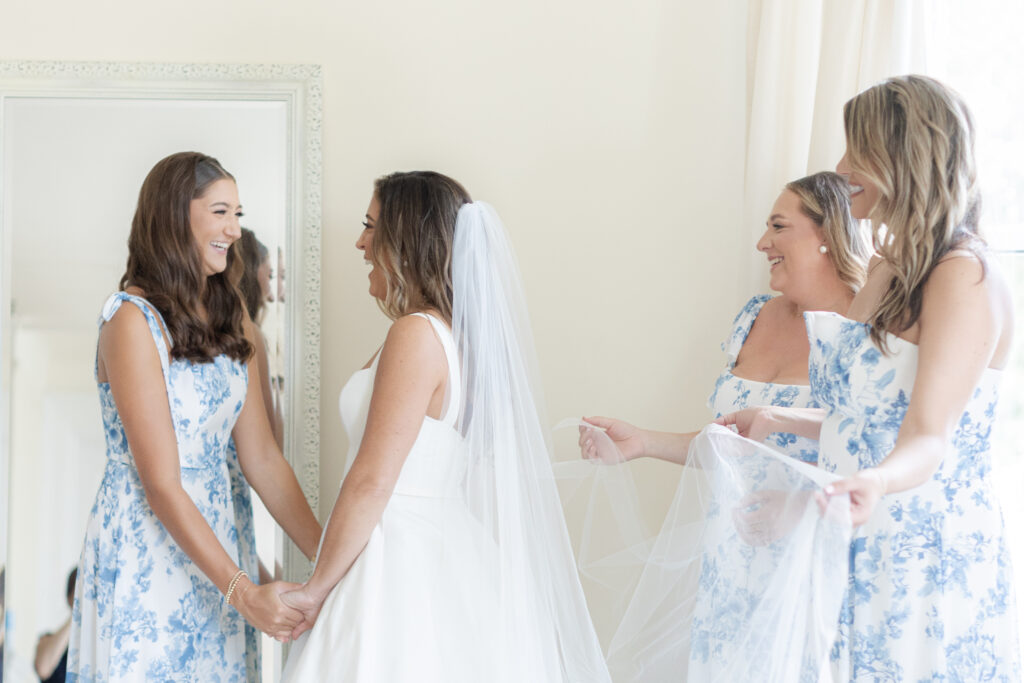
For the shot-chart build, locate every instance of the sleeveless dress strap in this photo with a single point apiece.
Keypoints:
(741, 326)
(157, 326)
(454, 389)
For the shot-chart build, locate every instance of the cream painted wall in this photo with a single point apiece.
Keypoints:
(609, 135)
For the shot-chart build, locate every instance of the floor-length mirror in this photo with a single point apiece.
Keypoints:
(76, 142)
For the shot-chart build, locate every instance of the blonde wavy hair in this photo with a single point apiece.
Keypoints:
(825, 199)
(913, 138)
(413, 239)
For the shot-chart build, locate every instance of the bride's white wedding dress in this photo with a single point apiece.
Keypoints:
(469, 575)
(418, 603)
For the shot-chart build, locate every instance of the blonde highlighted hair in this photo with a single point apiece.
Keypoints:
(913, 138)
(825, 199)
(413, 239)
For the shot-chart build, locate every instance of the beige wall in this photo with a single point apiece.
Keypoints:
(608, 134)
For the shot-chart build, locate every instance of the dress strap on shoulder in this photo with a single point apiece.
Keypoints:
(453, 393)
(157, 326)
(741, 326)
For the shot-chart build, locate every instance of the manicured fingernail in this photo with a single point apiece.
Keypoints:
(830, 489)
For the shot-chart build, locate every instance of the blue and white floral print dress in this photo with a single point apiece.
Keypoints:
(143, 611)
(734, 393)
(930, 596)
(732, 573)
(248, 559)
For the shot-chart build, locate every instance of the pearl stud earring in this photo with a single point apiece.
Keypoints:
(823, 249)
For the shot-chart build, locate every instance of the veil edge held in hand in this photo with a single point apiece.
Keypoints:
(544, 628)
(744, 580)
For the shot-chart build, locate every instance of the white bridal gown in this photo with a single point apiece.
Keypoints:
(418, 603)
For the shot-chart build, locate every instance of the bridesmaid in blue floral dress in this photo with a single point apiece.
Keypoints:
(175, 385)
(817, 255)
(908, 383)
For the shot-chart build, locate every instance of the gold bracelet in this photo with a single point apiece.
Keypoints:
(234, 582)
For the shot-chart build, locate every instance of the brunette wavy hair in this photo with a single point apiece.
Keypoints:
(913, 138)
(413, 240)
(252, 253)
(164, 262)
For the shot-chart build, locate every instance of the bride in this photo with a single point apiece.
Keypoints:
(446, 556)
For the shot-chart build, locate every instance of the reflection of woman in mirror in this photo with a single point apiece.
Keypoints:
(51, 660)
(255, 289)
(256, 293)
(908, 381)
(176, 382)
(446, 557)
(817, 255)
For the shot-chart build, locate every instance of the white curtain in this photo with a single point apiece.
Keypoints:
(805, 58)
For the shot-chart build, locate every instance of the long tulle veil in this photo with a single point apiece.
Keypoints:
(544, 628)
(745, 579)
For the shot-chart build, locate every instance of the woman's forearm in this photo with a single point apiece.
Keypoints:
(667, 446)
(357, 511)
(275, 483)
(190, 530)
(804, 422)
(912, 462)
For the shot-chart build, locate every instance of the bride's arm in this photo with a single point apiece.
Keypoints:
(412, 367)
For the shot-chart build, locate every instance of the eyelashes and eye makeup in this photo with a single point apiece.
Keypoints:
(223, 212)
(367, 225)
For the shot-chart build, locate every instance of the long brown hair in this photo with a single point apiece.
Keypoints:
(825, 199)
(252, 253)
(913, 138)
(164, 262)
(413, 239)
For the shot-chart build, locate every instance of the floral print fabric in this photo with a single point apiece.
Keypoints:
(732, 393)
(143, 610)
(930, 595)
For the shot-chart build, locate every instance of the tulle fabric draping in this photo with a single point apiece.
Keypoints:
(743, 582)
(544, 631)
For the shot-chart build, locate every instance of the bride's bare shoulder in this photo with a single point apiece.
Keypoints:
(413, 337)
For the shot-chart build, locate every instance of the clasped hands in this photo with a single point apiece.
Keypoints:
(281, 609)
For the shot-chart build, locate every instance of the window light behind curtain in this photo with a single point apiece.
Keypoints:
(978, 51)
(805, 58)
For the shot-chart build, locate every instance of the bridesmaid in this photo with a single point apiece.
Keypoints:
(177, 382)
(908, 383)
(817, 255)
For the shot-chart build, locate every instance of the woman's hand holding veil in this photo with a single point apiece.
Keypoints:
(620, 441)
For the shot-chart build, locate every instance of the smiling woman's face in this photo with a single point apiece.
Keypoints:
(214, 222)
(378, 284)
(792, 244)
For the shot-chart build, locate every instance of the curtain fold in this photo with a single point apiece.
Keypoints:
(805, 58)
